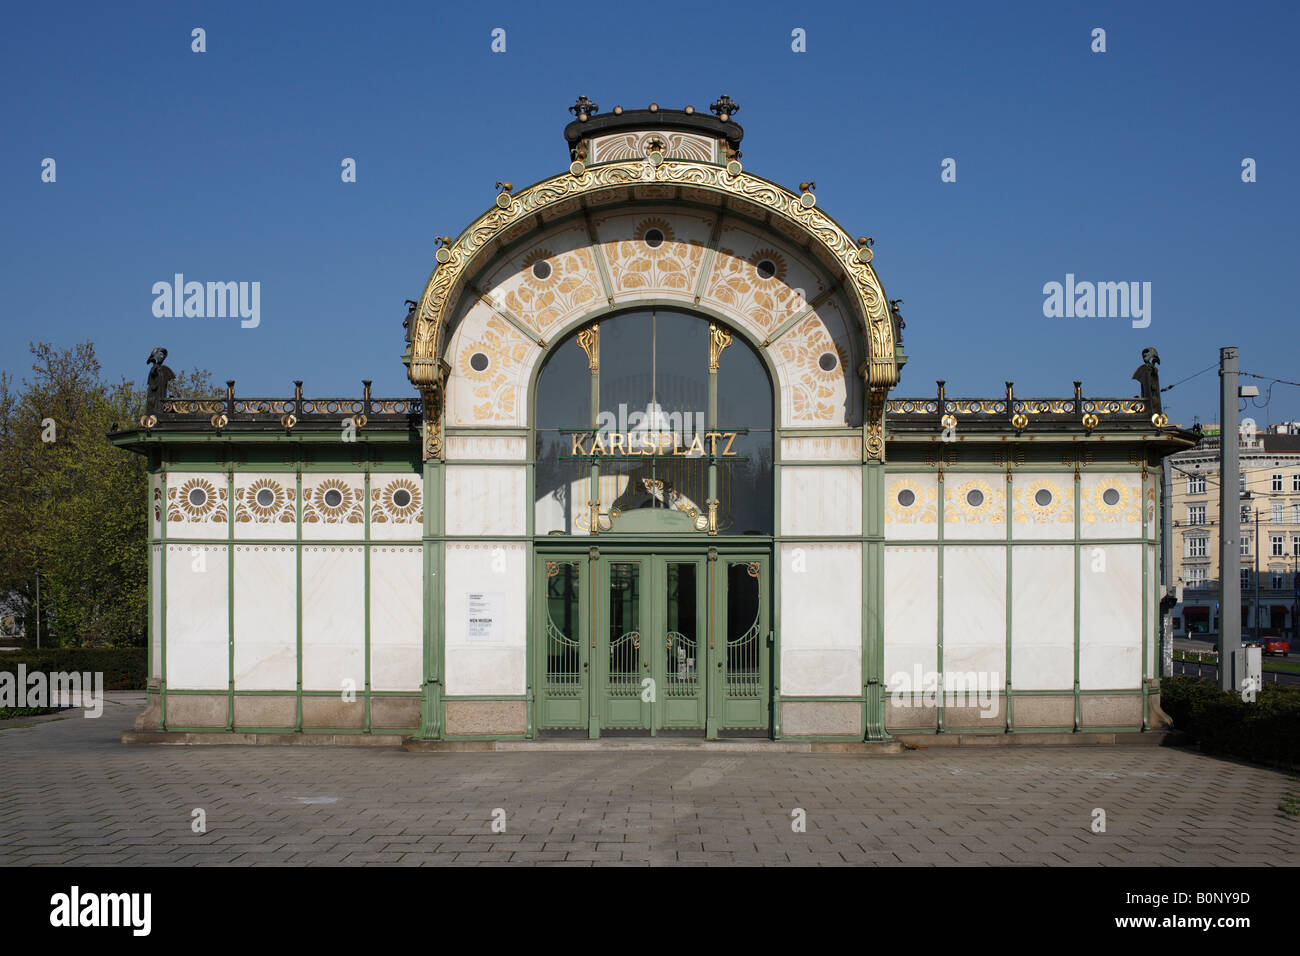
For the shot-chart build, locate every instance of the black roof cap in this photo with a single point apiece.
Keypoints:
(603, 124)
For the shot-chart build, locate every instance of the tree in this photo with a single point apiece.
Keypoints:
(73, 507)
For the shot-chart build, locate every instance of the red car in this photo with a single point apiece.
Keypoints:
(1273, 644)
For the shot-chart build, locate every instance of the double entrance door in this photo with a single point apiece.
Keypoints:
(641, 642)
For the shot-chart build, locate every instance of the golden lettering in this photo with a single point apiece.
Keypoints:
(598, 446)
(696, 445)
(616, 443)
(713, 441)
(731, 437)
(578, 449)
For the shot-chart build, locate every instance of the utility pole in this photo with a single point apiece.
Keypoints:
(1229, 518)
(1259, 544)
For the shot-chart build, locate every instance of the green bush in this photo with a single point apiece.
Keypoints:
(1218, 721)
(124, 668)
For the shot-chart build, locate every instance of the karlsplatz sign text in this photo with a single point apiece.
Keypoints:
(659, 444)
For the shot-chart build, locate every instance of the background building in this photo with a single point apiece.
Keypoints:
(1269, 484)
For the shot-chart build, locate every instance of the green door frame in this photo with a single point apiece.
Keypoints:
(653, 711)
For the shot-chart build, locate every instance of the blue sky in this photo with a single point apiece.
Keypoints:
(1115, 166)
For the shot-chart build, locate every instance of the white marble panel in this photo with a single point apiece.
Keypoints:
(266, 505)
(911, 506)
(974, 506)
(1110, 617)
(821, 620)
(397, 617)
(910, 614)
(1110, 505)
(486, 499)
(821, 500)
(833, 448)
(1042, 617)
(486, 447)
(975, 612)
(333, 618)
(266, 617)
(198, 617)
(1042, 506)
(491, 659)
(197, 505)
(396, 506)
(333, 506)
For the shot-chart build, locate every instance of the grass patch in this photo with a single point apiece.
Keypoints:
(9, 713)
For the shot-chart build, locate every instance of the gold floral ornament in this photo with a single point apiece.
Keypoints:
(399, 501)
(1042, 500)
(910, 502)
(197, 499)
(973, 501)
(264, 501)
(1113, 502)
(554, 287)
(333, 501)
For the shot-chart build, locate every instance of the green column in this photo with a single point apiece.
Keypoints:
(873, 591)
(431, 711)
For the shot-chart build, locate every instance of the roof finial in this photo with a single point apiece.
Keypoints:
(584, 109)
(725, 107)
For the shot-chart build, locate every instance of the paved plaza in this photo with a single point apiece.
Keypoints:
(73, 794)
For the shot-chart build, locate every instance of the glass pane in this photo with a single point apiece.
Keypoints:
(564, 388)
(561, 493)
(563, 664)
(624, 630)
(682, 668)
(654, 362)
(745, 485)
(744, 391)
(744, 641)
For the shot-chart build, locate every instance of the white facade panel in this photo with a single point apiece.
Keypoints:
(821, 620)
(397, 617)
(487, 620)
(1110, 617)
(974, 612)
(198, 617)
(1042, 617)
(266, 617)
(910, 616)
(823, 500)
(333, 618)
(487, 499)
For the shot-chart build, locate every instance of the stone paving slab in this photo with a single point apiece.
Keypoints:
(74, 795)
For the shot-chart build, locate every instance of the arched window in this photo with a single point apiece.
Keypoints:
(660, 411)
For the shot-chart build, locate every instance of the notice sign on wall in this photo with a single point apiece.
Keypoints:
(486, 612)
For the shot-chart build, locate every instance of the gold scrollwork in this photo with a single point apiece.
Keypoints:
(552, 568)
(753, 568)
(880, 371)
(589, 342)
(719, 339)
